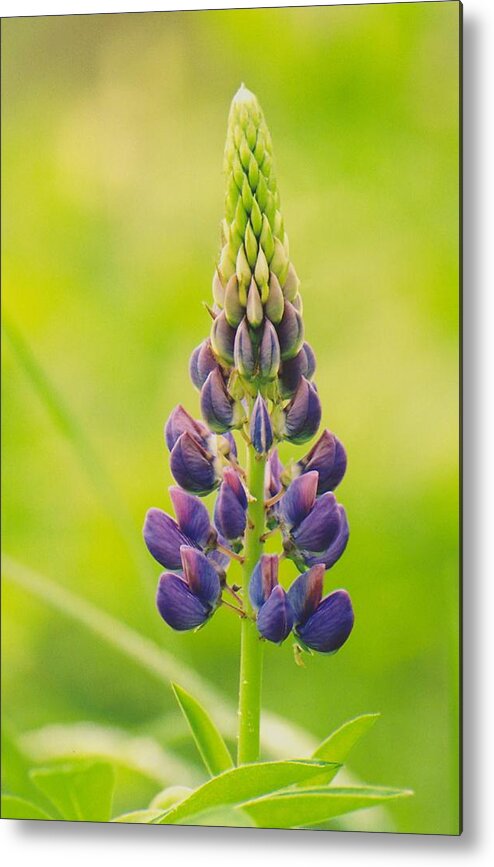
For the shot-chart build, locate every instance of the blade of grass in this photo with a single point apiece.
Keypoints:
(70, 427)
(279, 737)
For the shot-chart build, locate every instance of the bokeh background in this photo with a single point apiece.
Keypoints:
(113, 130)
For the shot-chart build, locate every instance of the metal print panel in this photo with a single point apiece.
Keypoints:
(231, 456)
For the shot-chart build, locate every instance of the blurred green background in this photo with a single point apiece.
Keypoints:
(113, 131)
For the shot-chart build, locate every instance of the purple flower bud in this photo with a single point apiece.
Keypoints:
(222, 339)
(269, 353)
(187, 601)
(334, 551)
(244, 352)
(298, 501)
(305, 593)
(192, 517)
(328, 458)
(164, 536)
(263, 580)
(290, 332)
(179, 422)
(216, 403)
(311, 360)
(202, 362)
(321, 526)
(193, 466)
(275, 618)
(303, 414)
(327, 629)
(230, 511)
(261, 432)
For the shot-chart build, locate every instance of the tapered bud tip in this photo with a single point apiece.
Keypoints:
(244, 95)
(261, 431)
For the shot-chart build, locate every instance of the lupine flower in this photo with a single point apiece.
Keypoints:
(290, 332)
(275, 615)
(244, 352)
(328, 458)
(179, 422)
(269, 353)
(193, 466)
(303, 413)
(202, 362)
(217, 407)
(293, 369)
(230, 511)
(321, 624)
(164, 536)
(261, 432)
(314, 530)
(187, 599)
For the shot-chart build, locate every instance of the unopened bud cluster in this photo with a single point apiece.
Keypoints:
(255, 374)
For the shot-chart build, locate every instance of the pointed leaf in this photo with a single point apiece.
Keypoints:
(242, 784)
(80, 792)
(212, 748)
(18, 808)
(337, 746)
(305, 807)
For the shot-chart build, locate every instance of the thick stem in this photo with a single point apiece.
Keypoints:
(249, 706)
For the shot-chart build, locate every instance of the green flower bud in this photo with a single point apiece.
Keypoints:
(234, 311)
(238, 172)
(266, 240)
(291, 284)
(275, 304)
(255, 312)
(279, 263)
(250, 244)
(261, 275)
(261, 192)
(226, 265)
(253, 173)
(256, 218)
(242, 268)
(251, 134)
(241, 217)
(247, 197)
(244, 153)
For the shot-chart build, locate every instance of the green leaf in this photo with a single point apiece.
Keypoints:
(221, 817)
(305, 807)
(18, 808)
(138, 817)
(242, 784)
(337, 746)
(82, 791)
(212, 748)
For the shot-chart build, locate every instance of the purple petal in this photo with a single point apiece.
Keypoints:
(232, 479)
(321, 527)
(164, 538)
(303, 413)
(181, 421)
(200, 575)
(261, 432)
(192, 516)
(328, 457)
(275, 618)
(311, 360)
(229, 513)
(290, 332)
(305, 593)
(192, 466)
(269, 352)
(216, 404)
(263, 579)
(299, 499)
(292, 371)
(202, 362)
(222, 338)
(330, 625)
(335, 550)
(233, 445)
(243, 351)
(178, 606)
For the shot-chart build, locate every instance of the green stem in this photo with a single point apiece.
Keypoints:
(249, 705)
